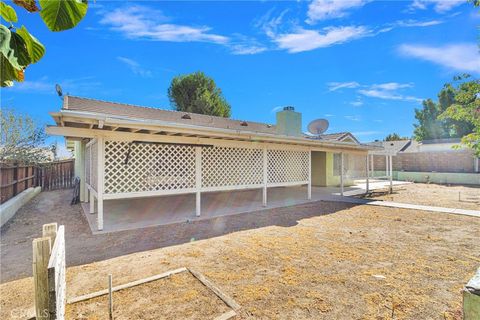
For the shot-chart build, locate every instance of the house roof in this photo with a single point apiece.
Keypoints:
(149, 113)
(86, 118)
(391, 147)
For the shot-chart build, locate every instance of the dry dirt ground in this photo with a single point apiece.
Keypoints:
(433, 195)
(326, 261)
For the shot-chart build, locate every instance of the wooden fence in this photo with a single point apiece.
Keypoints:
(15, 178)
(49, 273)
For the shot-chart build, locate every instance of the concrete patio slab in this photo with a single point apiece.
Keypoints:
(127, 214)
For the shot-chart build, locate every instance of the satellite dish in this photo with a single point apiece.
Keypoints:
(59, 90)
(318, 126)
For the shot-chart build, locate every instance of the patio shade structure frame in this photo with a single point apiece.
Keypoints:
(128, 157)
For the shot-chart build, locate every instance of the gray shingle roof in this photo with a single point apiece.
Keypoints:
(126, 110)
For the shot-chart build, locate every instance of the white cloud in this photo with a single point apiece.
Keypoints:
(306, 40)
(365, 133)
(276, 109)
(44, 85)
(333, 86)
(329, 9)
(353, 118)
(440, 6)
(387, 94)
(457, 57)
(392, 86)
(138, 22)
(416, 23)
(387, 90)
(135, 67)
(243, 45)
(357, 103)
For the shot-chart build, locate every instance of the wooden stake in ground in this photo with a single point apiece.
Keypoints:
(110, 297)
(41, 255)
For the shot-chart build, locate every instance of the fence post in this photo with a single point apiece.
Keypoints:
(41, 255)
(15, 178)
(50, 231)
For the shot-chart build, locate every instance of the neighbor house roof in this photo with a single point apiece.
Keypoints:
(341, 136)
(391, 147)
(85, 117)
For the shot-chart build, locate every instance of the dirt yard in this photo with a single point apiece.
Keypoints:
(433, 195)
(359, 262)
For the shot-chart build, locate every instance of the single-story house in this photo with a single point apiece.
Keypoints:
(125, 151)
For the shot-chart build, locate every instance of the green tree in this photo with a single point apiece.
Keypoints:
(22, 139)
(428, 126)
(394, 137)
(198, 93)
(431, 126)
(466, 109)
(18, 48)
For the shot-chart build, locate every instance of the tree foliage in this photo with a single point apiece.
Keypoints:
(19, 48)
(22, 139)
(466, 109)
(395, 137)
(431, 126)
(198, 93)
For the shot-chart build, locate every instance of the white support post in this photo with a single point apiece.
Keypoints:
(341, 174)
(372, 170)
(387, 166)
(92, 203)
(367, 164)
(309, 187)
(265, 176)
(100, 179)
(391, 174)
(198, 180)
(87, 154)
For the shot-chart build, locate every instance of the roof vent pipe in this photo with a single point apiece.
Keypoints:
(289, 108)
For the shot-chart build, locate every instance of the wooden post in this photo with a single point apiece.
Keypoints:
(198, 180)
(368, 174)
(15, 179)
(100, 176)
(50, 231)
(41, 255)
(110, 297)
(265, 176)
(309, 187)
(341, 174)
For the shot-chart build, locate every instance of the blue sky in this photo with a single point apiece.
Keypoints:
(363, 65)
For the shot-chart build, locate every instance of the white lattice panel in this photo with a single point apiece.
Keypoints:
(151, 167)
(94, 164)
(285, 166)
(226, 166)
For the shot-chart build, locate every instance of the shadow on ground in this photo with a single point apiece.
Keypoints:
(83, 247)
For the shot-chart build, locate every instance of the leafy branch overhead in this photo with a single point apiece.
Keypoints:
(18, 47)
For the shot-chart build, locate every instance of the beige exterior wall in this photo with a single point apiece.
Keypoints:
(323, 174)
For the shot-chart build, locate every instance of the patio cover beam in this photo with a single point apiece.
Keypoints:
(255, 143)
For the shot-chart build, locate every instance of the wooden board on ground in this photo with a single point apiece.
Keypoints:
(227, 300)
